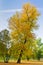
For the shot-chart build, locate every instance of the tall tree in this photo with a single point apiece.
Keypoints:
(22, 25)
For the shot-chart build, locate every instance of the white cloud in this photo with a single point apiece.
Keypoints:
(9, 10)
(14, 10)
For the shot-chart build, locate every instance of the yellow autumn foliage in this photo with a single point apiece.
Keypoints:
(22, 25)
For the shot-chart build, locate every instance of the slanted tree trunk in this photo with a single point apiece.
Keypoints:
(20, 56)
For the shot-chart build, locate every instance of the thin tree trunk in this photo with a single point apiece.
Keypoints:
(6, 58)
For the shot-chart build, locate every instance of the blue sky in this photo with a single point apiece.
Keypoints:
(9, 7)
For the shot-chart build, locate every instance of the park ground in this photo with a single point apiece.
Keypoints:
(23, 63)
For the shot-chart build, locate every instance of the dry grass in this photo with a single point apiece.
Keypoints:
(23, 63)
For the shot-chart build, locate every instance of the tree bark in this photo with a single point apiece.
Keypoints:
(20, 56)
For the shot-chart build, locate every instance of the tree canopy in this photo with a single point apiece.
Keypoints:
(22, 25)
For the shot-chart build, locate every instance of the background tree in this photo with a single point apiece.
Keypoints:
(4, 44)
(22, 26)
(39, 48)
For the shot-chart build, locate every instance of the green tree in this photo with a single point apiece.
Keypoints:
(39, 48)
(4, 44)
(22, 26)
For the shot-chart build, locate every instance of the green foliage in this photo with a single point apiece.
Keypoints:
(4, 41)
(38, 50)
